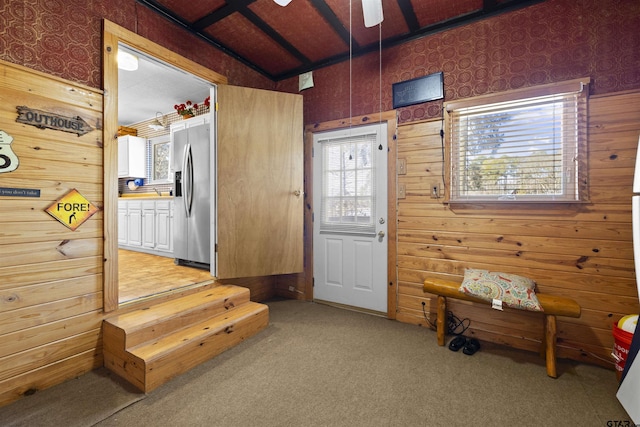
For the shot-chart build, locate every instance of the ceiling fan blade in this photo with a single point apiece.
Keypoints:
(372, 11)
(282, 3)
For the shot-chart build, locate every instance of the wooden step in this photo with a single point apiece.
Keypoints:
(171, 351)
(130, 329)
(183, 350)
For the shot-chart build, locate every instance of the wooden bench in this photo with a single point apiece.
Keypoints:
(553, 306)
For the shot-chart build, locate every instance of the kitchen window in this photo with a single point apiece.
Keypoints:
(521, 146)
(159, 159)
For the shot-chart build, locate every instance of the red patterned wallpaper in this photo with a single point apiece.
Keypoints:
(552, 41)
(548, 42)
(64, 38)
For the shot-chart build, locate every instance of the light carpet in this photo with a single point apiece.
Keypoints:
(81, 402)
(317, 365)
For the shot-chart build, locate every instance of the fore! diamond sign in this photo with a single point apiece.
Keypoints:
(72, 209)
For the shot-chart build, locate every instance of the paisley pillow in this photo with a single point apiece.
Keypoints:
(514, 291)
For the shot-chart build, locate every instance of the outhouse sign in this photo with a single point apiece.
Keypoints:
(72, 209)
(42, 119)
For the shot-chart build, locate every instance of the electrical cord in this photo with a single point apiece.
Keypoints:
(453, 322)
(444, 181)
(426, 317)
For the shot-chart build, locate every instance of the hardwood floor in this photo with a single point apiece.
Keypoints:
(141, 275)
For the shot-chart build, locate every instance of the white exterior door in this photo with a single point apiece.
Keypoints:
(350, 217)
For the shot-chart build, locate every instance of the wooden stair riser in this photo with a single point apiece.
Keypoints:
(113, 338)
(126, 366)
(144, 325)
(196, 350)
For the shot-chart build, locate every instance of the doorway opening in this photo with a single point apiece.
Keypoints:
(146, 99)
(115, 36)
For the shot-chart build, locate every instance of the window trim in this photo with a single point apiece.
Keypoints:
(576, 85)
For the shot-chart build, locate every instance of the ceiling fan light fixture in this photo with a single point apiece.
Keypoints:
(282, 3)
(372, 11)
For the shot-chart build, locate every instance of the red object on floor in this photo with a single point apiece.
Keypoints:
(621, 346)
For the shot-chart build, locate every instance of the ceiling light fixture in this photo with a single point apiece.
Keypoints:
(159, 123)
(372, 11)
(127, 61)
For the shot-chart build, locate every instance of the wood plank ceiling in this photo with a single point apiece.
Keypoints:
(282, 42)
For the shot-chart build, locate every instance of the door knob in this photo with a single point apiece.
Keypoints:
(381, 234)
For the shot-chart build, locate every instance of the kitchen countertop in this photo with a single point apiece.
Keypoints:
(165, 195)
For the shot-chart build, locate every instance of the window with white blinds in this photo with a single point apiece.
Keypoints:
(525, 149)
(348, 184)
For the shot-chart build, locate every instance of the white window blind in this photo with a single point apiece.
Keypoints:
(348, 184)
(526, 149)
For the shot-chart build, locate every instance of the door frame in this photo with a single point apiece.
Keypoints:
(112, 35)
(390, 117)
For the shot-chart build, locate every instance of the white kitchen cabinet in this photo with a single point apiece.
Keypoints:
(132, 155)
(193, 121)
(123, 229)
(149, 224)
(134, 223)
(146, 226)
(164, 218)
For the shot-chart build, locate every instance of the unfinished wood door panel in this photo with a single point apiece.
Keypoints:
(259, 182)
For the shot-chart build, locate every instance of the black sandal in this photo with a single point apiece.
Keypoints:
(471, 347)
(457, 343)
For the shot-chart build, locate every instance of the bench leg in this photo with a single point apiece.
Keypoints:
(550, 344)
(441, 313)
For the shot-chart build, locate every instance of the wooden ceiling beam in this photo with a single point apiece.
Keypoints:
(489, 8)
(409, 15)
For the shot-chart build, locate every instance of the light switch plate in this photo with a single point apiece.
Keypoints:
(402, 191)
(401, 167)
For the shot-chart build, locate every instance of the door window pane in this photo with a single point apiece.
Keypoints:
(348, 193)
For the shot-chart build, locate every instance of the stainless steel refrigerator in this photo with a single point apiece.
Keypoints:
(190, 159)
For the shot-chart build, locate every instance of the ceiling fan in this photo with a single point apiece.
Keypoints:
(371, 9)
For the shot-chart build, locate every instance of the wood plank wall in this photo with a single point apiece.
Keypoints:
(50, 276)
(582, 252)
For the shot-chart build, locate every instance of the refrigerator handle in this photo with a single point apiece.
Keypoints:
(187, 179)
(190, 187)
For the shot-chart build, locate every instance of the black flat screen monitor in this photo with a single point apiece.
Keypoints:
(418, 90)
